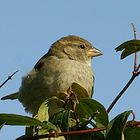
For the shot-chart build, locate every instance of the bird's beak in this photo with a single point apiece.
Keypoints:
(94, 52)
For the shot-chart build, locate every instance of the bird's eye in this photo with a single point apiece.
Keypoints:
(82, 46)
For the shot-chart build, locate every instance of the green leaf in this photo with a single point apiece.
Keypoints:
(79, 90)
(53, 104)
(116, 126)
(88, 107)
(98, 136)
(132, 133)
(61, 118)
(128, 48)
(14, 119)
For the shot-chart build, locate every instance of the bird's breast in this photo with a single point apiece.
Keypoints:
(55, 76)
(65, 73)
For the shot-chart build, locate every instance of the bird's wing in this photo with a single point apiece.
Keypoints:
(93, 86)
(39, 63)
(11, 96)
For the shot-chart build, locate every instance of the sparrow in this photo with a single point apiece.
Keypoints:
(67, 61)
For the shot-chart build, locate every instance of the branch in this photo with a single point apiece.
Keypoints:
(79, 132)
(136, 72)
(123, 90)
(96, 113)
(9, 78)
(136, 54)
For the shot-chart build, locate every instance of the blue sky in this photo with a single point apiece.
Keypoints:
(28, 28)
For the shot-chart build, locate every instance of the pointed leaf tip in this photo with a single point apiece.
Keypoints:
(116, 127)
(128, 48)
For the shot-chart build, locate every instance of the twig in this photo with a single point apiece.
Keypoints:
(123, 90)
(9, 78)
(133, 123)
(79, 132)
(138, 67)
(96, 113)
(135, 55)
(133, 114)
(134, 30)
(136, 72)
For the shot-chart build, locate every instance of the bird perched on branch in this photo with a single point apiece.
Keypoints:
(67, 61)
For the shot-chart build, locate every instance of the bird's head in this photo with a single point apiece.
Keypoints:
(75, 48)
(71, 47)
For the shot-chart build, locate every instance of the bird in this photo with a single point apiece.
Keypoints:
(67, 61)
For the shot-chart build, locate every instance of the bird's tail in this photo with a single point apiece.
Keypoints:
(11, 96)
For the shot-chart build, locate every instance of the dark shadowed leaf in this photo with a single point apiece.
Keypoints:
(14, 119)
(61, 118)
(128, 47)
(88, 107)
(116, 126)
(132, 133)
(53, 105)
